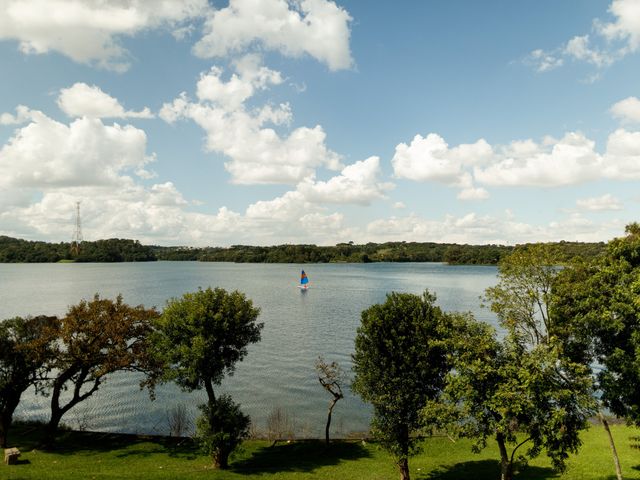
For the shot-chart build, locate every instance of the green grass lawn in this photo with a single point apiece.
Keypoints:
(109, 456)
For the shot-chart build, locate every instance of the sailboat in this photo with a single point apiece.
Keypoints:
(304, 281)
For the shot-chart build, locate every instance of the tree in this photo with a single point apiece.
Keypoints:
(94, 339)
(602, 298)
(400, 363)
(24, 354)
(525, 389)
(200, 338)
(221, 428)
(331, 377)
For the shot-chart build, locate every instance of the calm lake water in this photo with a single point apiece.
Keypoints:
(279, 371)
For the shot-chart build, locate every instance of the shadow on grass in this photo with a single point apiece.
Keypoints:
(70, 442)
(299, 456)
(485, 470)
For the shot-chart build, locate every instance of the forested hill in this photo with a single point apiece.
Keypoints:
(454, 254)
(13, 250)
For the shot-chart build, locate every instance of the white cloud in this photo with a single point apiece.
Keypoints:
(357, 184)
(626, 26)
(614, 40)
(47, 153)
(473, 193)
(257, 152)
(604, 203)
(579, 49)
(544, 61)
(318, 28)
(430, 159)
(399, 205)
(622, 158)
(23, 114)
(82, 100)
(552, 162)
(231, 95)
(627, 110)
(570, 160)
(89, 31)
(483, 229)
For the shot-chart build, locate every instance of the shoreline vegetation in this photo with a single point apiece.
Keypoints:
(14, 250)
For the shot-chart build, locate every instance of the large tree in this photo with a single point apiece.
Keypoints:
(400, 363)
(602, 298)
(25, 352)
(94, 339)
(530, 388)
(200, 338)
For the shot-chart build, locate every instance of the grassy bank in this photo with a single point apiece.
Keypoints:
(84, 455)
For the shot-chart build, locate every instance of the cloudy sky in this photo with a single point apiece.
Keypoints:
(187, 122)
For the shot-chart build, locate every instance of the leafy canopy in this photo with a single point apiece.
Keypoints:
(603, 299)
(524, 388)
(400, 363)
(202, 335)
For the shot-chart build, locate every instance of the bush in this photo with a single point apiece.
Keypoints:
(221, 428)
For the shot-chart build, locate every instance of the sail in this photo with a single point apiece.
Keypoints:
(303, 278)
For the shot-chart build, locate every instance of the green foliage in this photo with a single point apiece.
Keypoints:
(13, 250)
(451, 253)
(96, 338)
(400, 363)
(525, 385)
(221, 428)
(24, 355)
(201, 337)
(115, 250)
(603, 298)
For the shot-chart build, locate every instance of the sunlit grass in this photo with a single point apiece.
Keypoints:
(84, 455)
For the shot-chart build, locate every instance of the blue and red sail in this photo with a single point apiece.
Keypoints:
(303, 278)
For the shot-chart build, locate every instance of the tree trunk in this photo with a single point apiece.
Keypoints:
(221, 460)
(52, 428)
(5, 422)
(506, 466)
(56, 415)
(614, 452)
(208, 386)
(326, 429)
(6, 416)
(403, 465)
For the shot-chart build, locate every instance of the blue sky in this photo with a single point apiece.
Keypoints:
(217, 123)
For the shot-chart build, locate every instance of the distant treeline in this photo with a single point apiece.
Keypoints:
(13, 250)
(454, 254)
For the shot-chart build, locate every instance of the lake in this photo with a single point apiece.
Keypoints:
(278, 372)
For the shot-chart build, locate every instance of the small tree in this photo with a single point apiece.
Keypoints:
(221, 428)
(24, 354)
(94, 339)
(331, 377)
(400, 363)
(200, 338)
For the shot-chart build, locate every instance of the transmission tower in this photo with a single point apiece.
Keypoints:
(77, 236)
